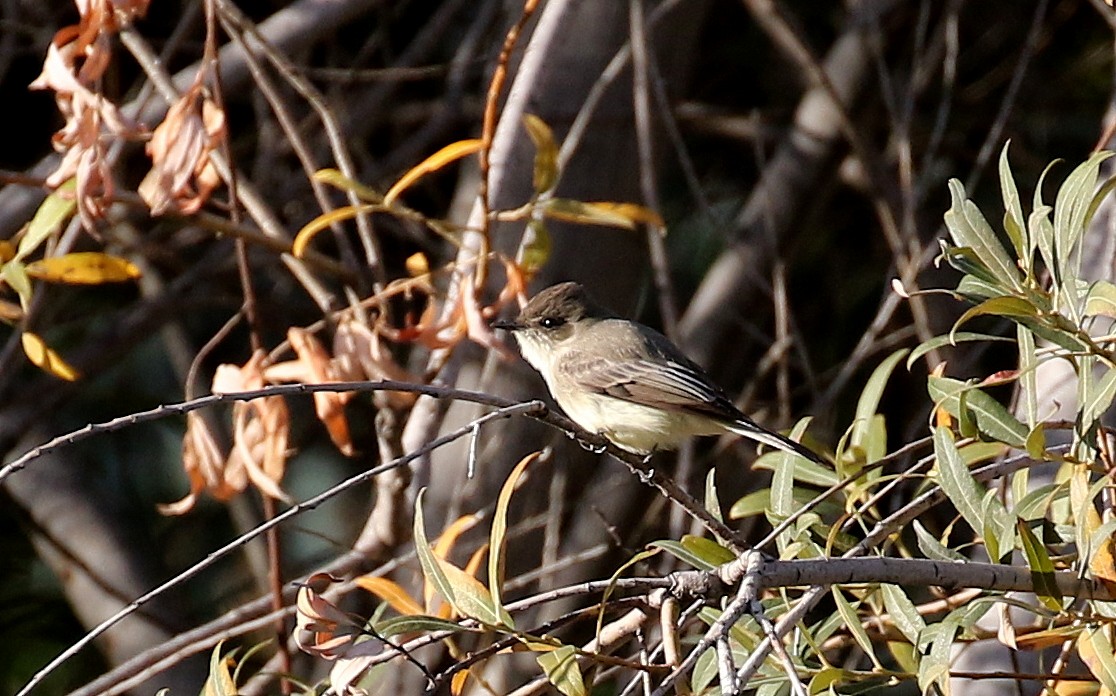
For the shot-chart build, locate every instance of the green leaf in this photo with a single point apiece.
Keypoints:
(782, 497)
(1101, 300)
(497, 536)
(950, 340)
(562, 670)
(854, 625)
(546, 153)
(904, 614)
(932, 548)
(869, 402)
(1013, 211)
(759, 502)
(536, 247)
(968, 228)
(415, 623)
(56, 209)
(463, 592)
(1003, 306)
(707, 550)
(976, 290)
(957, 481)
(1042, 568)
(992, 418)
(1097, 399)
(683, 554)
(1071, 207)
(15, 275)
(934, 668)
(1028, 384)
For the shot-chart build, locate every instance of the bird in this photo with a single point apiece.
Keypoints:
(623, 380)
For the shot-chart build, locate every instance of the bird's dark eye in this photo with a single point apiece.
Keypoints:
(551, 322)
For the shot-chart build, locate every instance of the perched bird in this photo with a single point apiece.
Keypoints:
(623, 380)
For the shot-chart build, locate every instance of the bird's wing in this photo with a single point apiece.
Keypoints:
(668, 385)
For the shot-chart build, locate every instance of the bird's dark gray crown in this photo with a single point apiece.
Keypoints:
(563, 303)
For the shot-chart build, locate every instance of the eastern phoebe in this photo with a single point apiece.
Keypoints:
(623, 380)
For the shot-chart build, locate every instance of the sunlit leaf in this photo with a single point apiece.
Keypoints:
(707, 550)
(15, 275)
(546, 153)
(56, 209)
(417, 265)
(536, 247)
(992, 418)
(968, 228)
(338, 180)
(1071, 207)
(562, 670)
(1014, 224)
(45, 358)
(957, 481)
(686, 555)
(950, 340)
(868, 403)
(447, 155)
(934, 549)
(934, 668)
(1094, 646)
(391, 592)
(83, 268)
(497, 537)
(904, 614)
(1101, 300)
(220, 681)
(625, 215)
(312, 228)
(854, 625)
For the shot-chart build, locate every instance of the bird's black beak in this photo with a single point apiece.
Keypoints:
(507, 324)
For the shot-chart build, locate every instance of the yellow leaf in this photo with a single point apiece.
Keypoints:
(39, 353)
(7, 251)
(338, 180)
(312, 228)
(417, 265)
(449, 153)
(392, 593)
(625, 215)
(83, 268)
(546, 153)
(457, 683)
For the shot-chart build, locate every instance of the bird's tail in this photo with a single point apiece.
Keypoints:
(747, 428)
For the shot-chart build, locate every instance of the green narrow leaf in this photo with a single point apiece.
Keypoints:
(854, 625)
(562, 670)
(1042, 568)
(951, 340)
(1028, 382)
(975, 290)
(904, 614)
(934, 549)
(934, 668)
(1096, 400)
(1014, 223)
(546, 153)
(956, 480)
(1071, 207)
(497, 536)
(707, 550)
(1101, 300)
(415, 623)
(782, 498)
(15, 275)
(56, 209)
(992, 418)
(536, 247)
(869, 402)
(968, 228)
(1003, 306)
(683, 554)
(462, 591)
